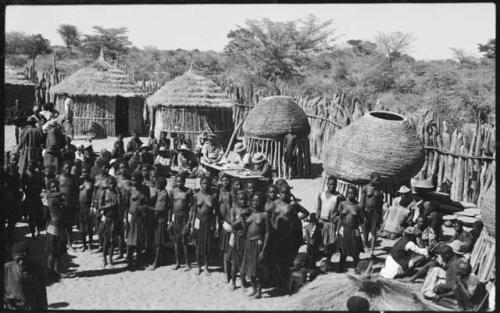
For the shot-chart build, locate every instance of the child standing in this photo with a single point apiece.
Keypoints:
(162, 216)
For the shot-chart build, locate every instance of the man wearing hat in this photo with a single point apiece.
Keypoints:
(239, 155)
(404, 255)
(30, 142)
(24, 282)
(261, 167)
(211, 146)
(396, 216)
(186, 160)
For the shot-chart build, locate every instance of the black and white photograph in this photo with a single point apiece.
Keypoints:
(265, 157)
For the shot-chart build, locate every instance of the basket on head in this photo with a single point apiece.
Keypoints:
(486, 205)
(380, 142)
(274, 117)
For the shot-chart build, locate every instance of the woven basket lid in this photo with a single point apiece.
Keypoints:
(274, 117)
(380, 142)
(487, 207)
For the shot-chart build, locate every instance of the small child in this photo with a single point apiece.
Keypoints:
(56, 235)
(110, 207)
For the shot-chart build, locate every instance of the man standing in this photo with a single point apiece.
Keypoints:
(30, 142)
(289, 143)
(68, 118)
(24, 283)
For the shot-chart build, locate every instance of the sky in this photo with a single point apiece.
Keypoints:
(436, 27)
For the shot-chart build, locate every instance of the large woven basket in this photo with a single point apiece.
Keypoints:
(486, 204)
(380, 142)
(274, 117)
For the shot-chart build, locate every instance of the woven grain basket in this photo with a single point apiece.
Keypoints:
(274, 117)
(380, 142)
(487, 207)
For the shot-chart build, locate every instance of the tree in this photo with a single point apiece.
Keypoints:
(39, 46)
(70, 35)
(114, 39)
(462, 57)
(361, 47)
(277, 52)
(394, 44)
(488, 49)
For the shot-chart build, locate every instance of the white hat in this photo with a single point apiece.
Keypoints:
(410, 230)
(258, 158)
(212, 157)
(239, 147)
(163, 148)
(457, 246)
(184, 147)
(112, 161)
(404, 189)
(424, 184)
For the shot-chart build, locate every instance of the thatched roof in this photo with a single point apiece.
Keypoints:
(99, 79)
(190, 90)
(274, 117)
(380, 142)
(14, 77)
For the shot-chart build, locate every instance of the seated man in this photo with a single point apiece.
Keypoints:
(186, 161)
(404, 255)
(239, 156)
(396, 216)
(211, 145)
(260, 166)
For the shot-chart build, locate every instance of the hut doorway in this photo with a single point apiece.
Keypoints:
(121, 116)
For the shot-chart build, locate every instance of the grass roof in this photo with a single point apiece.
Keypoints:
(190, 90)
(14, 77)
(99, 79)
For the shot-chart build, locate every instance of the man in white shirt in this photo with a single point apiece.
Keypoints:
(240, 156)
(403, 255)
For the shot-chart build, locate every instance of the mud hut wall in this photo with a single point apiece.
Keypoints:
(24, 93)
(91, 114)
(192, 121)
(135, 115)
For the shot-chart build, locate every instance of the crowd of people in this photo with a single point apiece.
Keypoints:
(135, 201)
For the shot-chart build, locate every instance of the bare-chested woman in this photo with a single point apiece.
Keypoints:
(204, 213)
(138, 200)
(109, 205)
(182, 198)
(56, 237)
(225, 204)
(99, 184)
(68, 185)
(239, 212)
(162, 218)
(350, 216)
(257, 229)
(371, 203)
(85, 201)
(327, 211)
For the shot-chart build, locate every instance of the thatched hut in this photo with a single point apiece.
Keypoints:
(104, 97)
(17, 86)
(266, 126)
(190, 104)
(380, 142)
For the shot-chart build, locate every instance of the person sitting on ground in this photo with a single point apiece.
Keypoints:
(239, 156)
(425, 233)
(397, 214)
(24, 281)
(460, 233)
(466, 288)
(135, 143)
(404, 255)
(260, 166)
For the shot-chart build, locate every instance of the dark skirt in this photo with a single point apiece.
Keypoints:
(203, 237)
(328, 233)
(149, 228)
(250, 261)
(110, 229)
(224, 240)
(135, 235)
(56, 241)
(235, 253)
(161, 233)
(178, 227)
(350, 243)
(85, 218)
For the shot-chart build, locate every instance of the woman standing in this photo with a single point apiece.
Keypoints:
(225, 203)
(204, 205)
(350, 219)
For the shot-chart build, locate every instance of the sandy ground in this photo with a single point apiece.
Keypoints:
(92, 287)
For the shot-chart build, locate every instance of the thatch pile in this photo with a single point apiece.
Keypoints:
(380, 142)
(487, 207)
(331, 292)
(190, 90)
(274, 117)
(99, 79)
